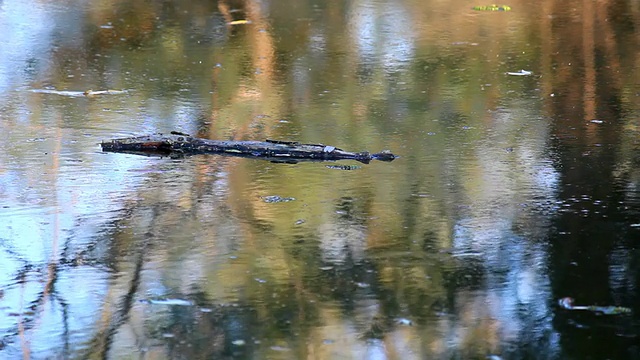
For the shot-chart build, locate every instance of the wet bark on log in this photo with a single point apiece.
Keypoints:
(178, 144)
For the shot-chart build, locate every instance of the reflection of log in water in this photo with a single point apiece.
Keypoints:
(178, 144)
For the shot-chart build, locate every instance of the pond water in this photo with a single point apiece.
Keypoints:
(518, 183)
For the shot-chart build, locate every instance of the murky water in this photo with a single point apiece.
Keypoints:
(517, 186)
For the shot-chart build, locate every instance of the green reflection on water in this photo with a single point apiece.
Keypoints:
(451, 251)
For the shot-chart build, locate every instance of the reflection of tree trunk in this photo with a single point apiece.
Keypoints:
(224, 9)
(609, 43)
(546, 51)
(101, 343)
(24, 342)
(262, 49)
(588, 53)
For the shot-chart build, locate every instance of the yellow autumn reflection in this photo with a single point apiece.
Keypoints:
(517, 182)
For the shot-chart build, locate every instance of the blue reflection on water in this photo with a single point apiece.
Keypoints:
(27, 31)
(375, 23)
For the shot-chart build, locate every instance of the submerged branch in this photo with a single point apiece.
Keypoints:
(177, 144)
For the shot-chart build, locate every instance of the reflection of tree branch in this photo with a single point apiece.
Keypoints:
(11, 251)
(101, 342)
(25, 323)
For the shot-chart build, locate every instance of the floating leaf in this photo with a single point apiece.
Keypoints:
(521, 73)
(239, 22)
(492, 7)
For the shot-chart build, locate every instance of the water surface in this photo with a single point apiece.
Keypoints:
(512, 191)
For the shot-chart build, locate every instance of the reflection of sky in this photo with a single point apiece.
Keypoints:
(30, 31)
(59, 193)
(22, 26)
(47, 215)
(503, 228)
(25, 30)
(382, 32)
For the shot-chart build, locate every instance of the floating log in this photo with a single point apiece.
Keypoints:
(178, 144)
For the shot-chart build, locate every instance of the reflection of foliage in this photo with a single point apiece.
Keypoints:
(373, 245)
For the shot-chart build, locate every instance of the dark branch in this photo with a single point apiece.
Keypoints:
(178, 144)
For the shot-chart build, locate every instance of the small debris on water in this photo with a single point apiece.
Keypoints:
(239, 22)
(280, 348)
(276, 199)
(176, 302)
(90, 93)
(403, 321)
(596, 121)
(239, 342)
(520, 73)
(343, 167)
(300, 221)
(87, 93)
(458, 43)
(567, 303)
(492, 7)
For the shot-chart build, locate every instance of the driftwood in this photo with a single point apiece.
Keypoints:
(178, 144)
